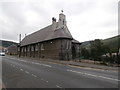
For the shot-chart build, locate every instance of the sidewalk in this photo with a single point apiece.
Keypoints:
(72, 63)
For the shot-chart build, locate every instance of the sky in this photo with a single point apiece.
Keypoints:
(86, 19)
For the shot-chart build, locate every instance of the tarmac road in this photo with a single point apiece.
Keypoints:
(21, 73)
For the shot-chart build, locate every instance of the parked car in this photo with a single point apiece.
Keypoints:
(2, 54)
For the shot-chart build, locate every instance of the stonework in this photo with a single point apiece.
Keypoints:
(54, 42)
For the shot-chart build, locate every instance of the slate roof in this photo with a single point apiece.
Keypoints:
(45, 34)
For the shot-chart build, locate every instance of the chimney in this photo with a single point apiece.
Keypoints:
(53, 20)
(54, 23)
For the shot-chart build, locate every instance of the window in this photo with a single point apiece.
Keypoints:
(25, 49)
(63, 22)
(22, 49)
(67, 45)
(32, 48)
(36, 47)
(28, 48)
(42, 47)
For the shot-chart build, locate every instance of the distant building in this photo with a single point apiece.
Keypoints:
(3, 49)
(54, 41)
(12, 50)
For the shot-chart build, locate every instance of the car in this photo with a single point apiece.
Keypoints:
(2, 54)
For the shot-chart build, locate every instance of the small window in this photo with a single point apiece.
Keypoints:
(36, 47)
(42, 47)
(67, 45)
(63, 22)
(25, 49)
(22, 49)
(28, 48)
(32, 48)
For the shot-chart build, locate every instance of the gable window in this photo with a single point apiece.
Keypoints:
(63, 22)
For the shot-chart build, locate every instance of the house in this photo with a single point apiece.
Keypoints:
(3, 49)
(12, 49)
(54, 41)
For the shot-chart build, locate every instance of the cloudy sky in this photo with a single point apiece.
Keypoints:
(86, 19)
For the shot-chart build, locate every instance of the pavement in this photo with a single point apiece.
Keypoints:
(33, 73)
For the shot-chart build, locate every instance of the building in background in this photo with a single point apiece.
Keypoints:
(54, 41)
(12, 49)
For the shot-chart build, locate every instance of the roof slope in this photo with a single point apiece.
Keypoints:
(46, 33)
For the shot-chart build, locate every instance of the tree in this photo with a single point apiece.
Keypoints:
(85, 53)
(97, 49)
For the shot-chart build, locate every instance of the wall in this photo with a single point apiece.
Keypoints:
(54, 49)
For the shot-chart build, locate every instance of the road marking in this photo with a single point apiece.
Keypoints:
(93, 75)
(92, 68)
(44, 80)
(58, 86)
(23, 60)
(27, 72)
(42, 64)
(34, 75)
(47, 81)
(21, 69)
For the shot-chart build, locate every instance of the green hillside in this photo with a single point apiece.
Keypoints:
(4, 43)
(113, 43)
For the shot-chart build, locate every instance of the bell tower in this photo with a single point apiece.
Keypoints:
(62, 19)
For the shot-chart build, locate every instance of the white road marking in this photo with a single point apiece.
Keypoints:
(34, 75)
(21, 69)
(93, 68)
(23, 60)
(27, 72)
(42, 64)
(47, 81)
(58, 86)
(93, 75)
(44, 80)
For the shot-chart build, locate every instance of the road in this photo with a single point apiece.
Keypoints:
(19, 73)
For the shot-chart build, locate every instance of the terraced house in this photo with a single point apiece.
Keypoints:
(54, 42)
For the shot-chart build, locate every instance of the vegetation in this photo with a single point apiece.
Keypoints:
(105, 51)
(4, 43)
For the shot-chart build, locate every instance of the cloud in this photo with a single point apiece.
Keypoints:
(86, 19)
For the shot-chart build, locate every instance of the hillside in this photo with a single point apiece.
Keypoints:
(4, 43)
(111, 42)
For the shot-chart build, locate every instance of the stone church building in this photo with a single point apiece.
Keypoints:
(53, 42)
